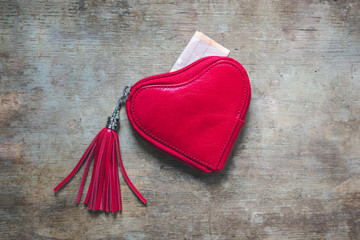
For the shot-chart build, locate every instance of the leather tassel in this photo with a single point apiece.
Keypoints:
(104, 189)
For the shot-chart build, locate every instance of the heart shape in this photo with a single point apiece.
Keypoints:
(194, 114)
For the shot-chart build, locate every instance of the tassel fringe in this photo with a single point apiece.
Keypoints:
(104, 189)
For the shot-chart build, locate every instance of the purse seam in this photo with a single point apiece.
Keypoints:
(165, 75)
(190, 156)
(236, 122)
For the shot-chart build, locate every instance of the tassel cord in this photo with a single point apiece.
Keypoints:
(77, 167)
(122, 168)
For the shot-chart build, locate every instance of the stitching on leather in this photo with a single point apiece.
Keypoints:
(236, 122)
(173, 73)
(176, 148)
(196, 159)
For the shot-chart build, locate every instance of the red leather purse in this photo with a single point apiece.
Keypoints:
(194, 114)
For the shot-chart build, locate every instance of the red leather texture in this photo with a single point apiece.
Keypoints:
(194, 114)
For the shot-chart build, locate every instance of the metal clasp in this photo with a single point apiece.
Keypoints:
(112, 123)
(126, 93)
(121, 101)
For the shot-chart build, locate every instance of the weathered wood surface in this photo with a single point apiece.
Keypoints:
(294, 173)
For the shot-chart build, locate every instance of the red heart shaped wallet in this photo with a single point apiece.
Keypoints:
(194, 114)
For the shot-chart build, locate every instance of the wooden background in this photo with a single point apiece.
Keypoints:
(294, 173)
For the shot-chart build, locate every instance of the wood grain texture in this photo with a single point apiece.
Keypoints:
(294, 173)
